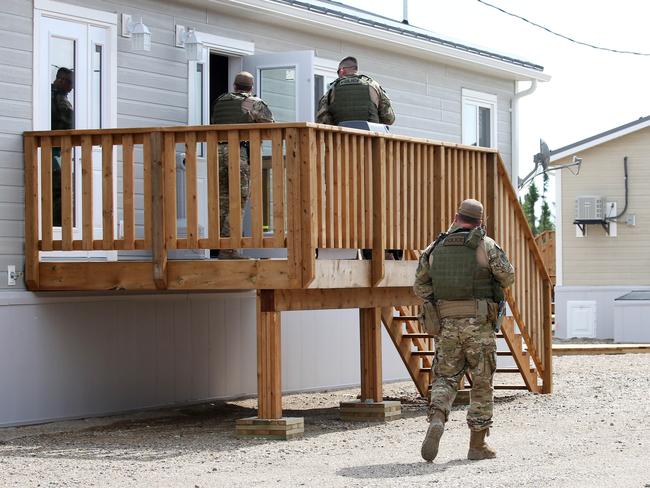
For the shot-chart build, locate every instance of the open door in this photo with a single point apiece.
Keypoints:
(285, 81)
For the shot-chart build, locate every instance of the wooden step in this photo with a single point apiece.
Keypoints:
(511, 370)
(423, 353)
(504, 353)
(404, 318)
(510, 387)
(417, 335)
(425, 370)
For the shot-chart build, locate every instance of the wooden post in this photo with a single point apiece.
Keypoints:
(379, 209)
(158, 240)
(269, 371)
(547, 379)
(31, 212)
(370, 339)
(491, 204)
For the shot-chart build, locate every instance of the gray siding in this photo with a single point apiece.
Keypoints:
(15, 117)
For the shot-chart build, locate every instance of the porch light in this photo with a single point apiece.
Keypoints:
(138, 32)
(187, 38)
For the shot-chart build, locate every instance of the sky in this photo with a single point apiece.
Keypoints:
(590, 91)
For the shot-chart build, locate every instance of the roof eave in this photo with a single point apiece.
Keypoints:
(312, 21)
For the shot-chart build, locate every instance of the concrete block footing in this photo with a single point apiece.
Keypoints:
(283, 429)
(363, 411)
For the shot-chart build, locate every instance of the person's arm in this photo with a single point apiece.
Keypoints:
(384, 107)
(500, 266)
(323, 116)
(259, 111)
(423, 287)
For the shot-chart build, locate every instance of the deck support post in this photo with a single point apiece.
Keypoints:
(269, 423)
(371, 406)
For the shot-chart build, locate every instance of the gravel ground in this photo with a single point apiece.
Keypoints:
(593, 431)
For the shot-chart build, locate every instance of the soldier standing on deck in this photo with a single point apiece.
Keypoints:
(236, 107)
(353, 96)
(461, 277)
(62, 118)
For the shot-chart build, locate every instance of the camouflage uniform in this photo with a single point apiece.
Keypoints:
(253, 110)
(377, 95)
(465, 344)
(62, 118)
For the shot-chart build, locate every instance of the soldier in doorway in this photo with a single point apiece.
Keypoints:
(62, 118)
(461, 277)
(236, 107)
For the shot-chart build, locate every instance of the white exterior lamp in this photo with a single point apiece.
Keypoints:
(187, 38)
(138, 32)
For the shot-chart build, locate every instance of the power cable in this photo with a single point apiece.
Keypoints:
(618, 51)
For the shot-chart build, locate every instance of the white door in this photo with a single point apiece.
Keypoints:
(86, 51)
(285, 81)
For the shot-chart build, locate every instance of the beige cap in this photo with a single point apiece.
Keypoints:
(471, 208)
(244, 79)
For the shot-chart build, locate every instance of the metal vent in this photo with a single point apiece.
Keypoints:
(590, 208)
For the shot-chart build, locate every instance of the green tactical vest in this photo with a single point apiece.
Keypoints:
(352, 100)
(454, 270)
(227, 109)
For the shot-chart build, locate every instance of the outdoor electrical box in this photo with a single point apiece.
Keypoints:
(590, 208)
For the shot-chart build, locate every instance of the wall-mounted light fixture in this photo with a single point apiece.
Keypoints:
(138, 32)
(186, 37)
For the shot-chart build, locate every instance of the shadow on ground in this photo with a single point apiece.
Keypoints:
(397, 470)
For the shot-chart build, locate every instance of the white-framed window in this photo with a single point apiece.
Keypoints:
(479, 118)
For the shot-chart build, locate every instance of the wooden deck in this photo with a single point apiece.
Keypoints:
(591, 349)
(311, 187)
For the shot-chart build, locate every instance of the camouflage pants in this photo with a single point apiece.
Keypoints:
(465, 344)
(224, 195)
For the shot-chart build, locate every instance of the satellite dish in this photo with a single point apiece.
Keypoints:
(543, 157)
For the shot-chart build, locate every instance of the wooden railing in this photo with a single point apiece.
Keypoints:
(311, 186)
(546, 244)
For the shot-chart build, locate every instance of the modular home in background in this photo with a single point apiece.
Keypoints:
(87, 340)
(602, 231)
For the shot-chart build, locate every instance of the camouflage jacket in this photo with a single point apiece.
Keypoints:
(488, 253)
(62, 111)
(257, 109)
(377, 95)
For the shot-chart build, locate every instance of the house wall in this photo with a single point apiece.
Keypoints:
(83, 356)
(598, 267)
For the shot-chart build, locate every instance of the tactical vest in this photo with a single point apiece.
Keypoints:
(227, 109)
(352, 100)
(455, 273)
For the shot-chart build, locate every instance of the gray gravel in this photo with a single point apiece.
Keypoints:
(593, 431)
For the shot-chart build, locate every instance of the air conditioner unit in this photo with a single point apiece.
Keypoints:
(590, 208)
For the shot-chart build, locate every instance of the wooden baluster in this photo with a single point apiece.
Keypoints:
(368, 215)
(405, 196)
(321, 189)
(214, 220)
(257, 216)
(440, 190)
(490, 202)
(169, 181)
(234, 190)
(46, 194)
(308, 226)
(429, 201)
(345, 191)
(191, 198)
(411, 192)
(354, 177)
(278, 169)
(420, 181)
(392, 193)
(361, 145)
(146, 175)
(329, 190)
(128, 193)
(30, 154)
(67, 194)
(294, 205)
(547, 351)
(338, 183)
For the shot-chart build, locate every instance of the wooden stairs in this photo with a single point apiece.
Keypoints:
(417, 349)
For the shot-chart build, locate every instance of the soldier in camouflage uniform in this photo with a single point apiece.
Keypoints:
(62, 118)
(354, 97)
(463, 274)
(237, 107)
